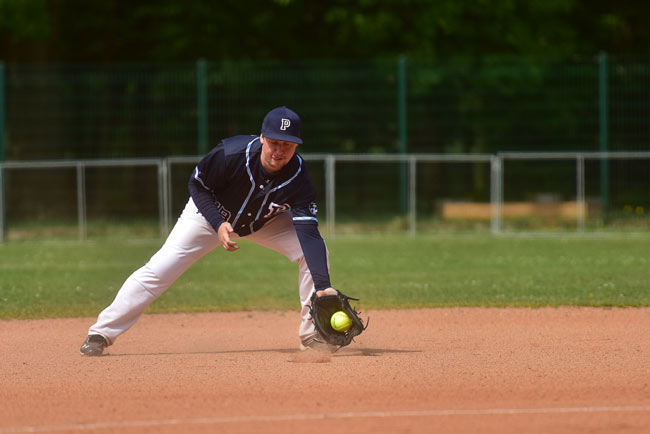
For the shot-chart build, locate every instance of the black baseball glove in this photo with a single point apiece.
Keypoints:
(322, 309)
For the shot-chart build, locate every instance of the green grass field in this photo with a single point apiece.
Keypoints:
(68, 279)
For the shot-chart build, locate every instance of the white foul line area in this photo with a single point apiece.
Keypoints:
(323, 416)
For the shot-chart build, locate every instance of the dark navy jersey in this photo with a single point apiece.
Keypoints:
(230, 185)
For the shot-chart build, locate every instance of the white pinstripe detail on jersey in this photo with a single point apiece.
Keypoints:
(197, 177)
(250, 176)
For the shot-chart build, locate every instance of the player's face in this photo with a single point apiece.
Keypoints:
(276, 153)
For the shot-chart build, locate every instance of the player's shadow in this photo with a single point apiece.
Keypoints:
(344, 352)
(370, 352)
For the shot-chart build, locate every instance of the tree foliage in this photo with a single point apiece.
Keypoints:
(169, 30)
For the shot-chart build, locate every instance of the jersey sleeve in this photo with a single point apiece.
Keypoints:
(207, 178)
(304, 212)
(313, 247)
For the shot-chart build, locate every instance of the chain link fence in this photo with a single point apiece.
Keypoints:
(563, 194)
(463, 105)
(400, 107)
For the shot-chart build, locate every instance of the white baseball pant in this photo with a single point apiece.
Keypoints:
(191, 238)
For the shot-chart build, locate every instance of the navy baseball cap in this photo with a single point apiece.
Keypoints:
(282, 124)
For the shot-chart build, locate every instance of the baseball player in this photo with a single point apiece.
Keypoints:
(256, 187)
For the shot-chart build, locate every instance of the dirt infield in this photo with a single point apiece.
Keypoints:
(565, 370)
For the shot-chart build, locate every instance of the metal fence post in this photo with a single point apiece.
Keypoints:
(81, 200)
(603, 123)
(2, 113)
(496, 194)
(202, 105)
(330, 193)
(580, 191)
(162, 197)
(3, 220)
(402, 128)
(169, 198)
(412, 195)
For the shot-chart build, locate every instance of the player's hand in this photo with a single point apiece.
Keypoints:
(326, 291)
(224, 237)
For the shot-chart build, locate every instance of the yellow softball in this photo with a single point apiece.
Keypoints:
(340, 321)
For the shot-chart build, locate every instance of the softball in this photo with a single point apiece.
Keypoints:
(340, 321)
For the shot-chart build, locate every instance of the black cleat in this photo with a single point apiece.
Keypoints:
(93, 346)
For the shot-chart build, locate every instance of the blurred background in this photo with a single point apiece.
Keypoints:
(502, 115)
